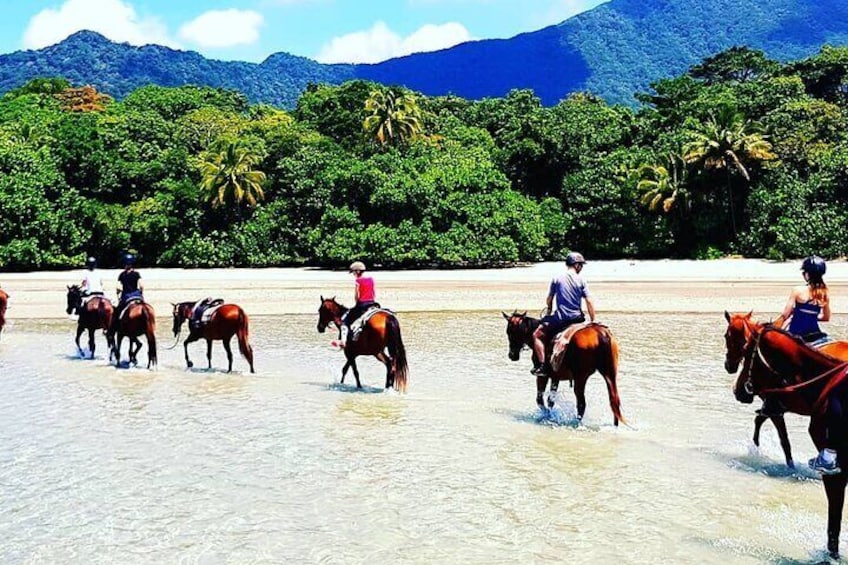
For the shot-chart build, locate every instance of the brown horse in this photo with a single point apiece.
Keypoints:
(4, 301)
(226, 321)
(591, 349)
(380, 338)
(96, 314)
(779, 364)
(740, 330)
(138, 318)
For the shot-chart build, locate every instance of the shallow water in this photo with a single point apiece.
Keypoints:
(99, 465)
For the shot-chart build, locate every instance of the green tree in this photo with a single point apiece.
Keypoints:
(394, 117)
(229, 176)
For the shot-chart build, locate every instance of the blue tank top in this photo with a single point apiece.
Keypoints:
(805, 318)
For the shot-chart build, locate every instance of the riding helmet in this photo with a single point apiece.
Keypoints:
(357, 266)
(574, 258)
(91, 263)
(814, 266)
(128, 259)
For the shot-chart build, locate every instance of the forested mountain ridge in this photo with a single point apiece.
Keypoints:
(613, 51)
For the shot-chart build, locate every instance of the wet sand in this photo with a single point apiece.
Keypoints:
(617, 286)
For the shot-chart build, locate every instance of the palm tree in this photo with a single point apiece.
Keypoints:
(228, 176)
(726, 141)
(394, 117)
(664, 187)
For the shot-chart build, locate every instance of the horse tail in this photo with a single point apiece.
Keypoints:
(608, 366)
(150, 332)
(242, 334)
(398, 354)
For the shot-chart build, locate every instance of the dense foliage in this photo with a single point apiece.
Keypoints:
(742, 154)
(614, 50)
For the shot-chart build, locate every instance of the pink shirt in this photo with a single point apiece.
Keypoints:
(365, 285)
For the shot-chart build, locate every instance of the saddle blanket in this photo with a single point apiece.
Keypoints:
(208, 310)
(89, 297)
(561, 341)
(359, 323)
(129, 303)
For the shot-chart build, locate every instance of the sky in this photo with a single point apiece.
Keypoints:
(330, 31)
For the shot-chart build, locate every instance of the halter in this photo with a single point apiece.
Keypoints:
(754, 347)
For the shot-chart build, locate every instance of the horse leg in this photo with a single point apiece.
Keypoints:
(344, 370)
(553, 394)
(80, 329)
(117, 349)
(541, 385)
(91, 345)
(355, 372)
(834, 488)
(383, 358)
(209, 355)
(229, 353)
(780, 426)
(580, 394)
(134, 341)
(190, 339)
(759, 420)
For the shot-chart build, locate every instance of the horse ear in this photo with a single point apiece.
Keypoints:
(523, 314)
(333, 299)
(748, 317)
(322, 298)
(505, 315)
(727, 316)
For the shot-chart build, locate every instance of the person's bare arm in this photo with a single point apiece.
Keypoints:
(787, 310)
(550, 303)
(590, 307)
(825, 313)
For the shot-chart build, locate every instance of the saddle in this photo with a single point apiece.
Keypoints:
(86, 298)
(203, 311)
(360, 323)
(130, 302)
(561, 341)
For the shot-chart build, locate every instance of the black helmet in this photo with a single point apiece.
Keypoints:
(814, 266)
(574, 258)
(91, 263)
(128, 259)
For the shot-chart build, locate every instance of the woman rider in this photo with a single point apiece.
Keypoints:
(130, 287)
(363, 295)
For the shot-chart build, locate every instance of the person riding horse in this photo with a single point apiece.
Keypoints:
(131, 288)
(364, 297)
(92, 282)
(570, 291)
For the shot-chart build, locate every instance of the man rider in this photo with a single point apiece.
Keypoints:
(92, 283)
(569, 289)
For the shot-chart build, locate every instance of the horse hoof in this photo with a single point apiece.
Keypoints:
(791, 465)
(189, 364)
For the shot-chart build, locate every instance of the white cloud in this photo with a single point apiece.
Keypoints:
(223, 28)
(115, 19)
(380, 43)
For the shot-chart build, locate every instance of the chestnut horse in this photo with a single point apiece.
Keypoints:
(95, 315)
(740, 329)
(591, 349)
(4, 301)
(227, 320)
(776, 363)
(380, 337)
(138, 318)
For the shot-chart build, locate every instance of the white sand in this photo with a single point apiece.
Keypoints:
(625, 285)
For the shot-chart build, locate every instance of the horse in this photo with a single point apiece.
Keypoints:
(4, 301)
(592, 348)
(776, 363)
(740, 329)
(380, 338)
(226, 321)
(96, 314)
(138, 318)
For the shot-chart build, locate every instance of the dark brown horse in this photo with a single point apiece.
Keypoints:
(96, 314)
(380, 338)
(591, 349)
(777, 364)
(137, 319)
(4, 301)
(740, 330)
(226, 321)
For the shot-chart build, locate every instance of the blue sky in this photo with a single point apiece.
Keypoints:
(327, 30)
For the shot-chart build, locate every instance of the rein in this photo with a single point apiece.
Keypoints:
(842, 367)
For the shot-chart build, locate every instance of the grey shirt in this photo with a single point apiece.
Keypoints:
(568, 289)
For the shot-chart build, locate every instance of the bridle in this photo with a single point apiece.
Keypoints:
(747, 367)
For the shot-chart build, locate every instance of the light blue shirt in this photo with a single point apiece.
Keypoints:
(569, 290)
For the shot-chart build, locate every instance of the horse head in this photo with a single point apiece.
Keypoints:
(518, 331)
(740, 330)
(181, 313)
(773, 358)
(330, 312)
(74, 299)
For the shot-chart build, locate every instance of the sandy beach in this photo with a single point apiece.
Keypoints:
(618, 286)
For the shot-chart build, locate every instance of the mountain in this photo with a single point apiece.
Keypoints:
(614, 50)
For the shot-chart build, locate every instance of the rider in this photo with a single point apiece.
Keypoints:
(92, 283)
(808, 304)
(363, 295)
(130, 286)
(569, 290)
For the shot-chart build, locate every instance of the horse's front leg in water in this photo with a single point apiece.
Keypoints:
(780, 426)
(80, 329)
(759, 420)
(541, 385)
(344, 370)
(553, 394)
(355, 372)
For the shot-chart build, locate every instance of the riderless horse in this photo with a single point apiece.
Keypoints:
(380, 338)
(226, 321)
(95, 314)
(778, 364)
(137, 318)
(740, 329)
(592, 348)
